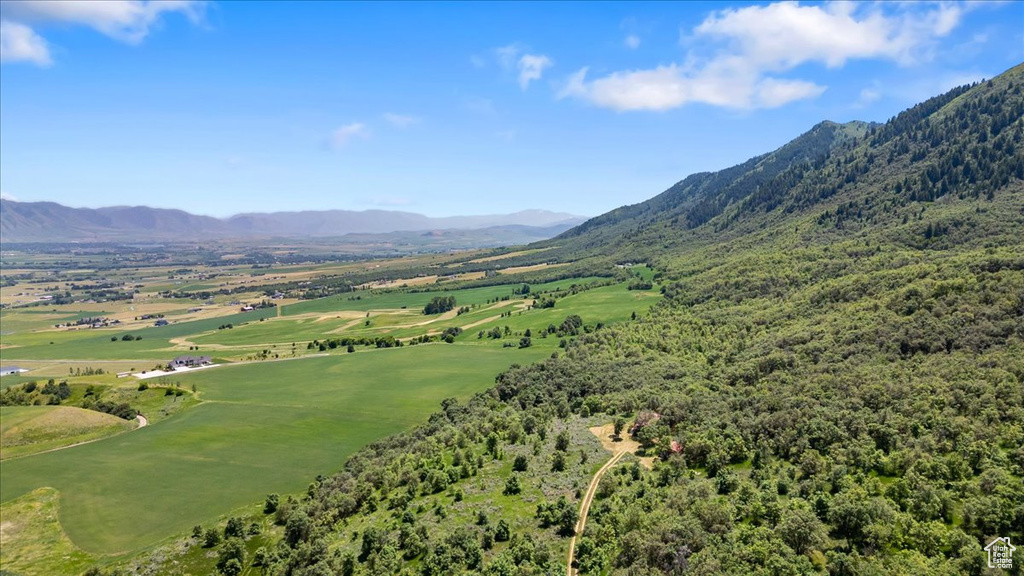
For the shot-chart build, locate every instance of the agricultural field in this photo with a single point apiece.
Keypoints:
(26, 430)
(280, 406)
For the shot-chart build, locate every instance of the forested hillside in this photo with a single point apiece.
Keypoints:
(836, 369)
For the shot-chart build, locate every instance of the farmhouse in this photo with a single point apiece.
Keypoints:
(11, 370)
(188, 362)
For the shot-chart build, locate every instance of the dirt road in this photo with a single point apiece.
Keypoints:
(585, 506)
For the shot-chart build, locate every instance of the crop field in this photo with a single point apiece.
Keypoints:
(248, 427)
(259, 428)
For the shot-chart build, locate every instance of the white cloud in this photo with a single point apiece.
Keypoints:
(128, 21)
(632, 41)
(6, 196)
(345, 134)
(507, 135)
(400, 120)
(773, 92)
(478, 61)
(125, 20)
(528, 67)
(751, 47)
(786, 34)
(725, 84)
(19, 43)
(531, 67)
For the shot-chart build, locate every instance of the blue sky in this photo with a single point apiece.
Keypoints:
(455, 108)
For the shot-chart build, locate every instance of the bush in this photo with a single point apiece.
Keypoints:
(211, 538)
(512, 486)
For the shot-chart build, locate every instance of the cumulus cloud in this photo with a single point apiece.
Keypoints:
(752, 47)
(400, 120)
(668, 87)
(345, 134)
(531, 67)
(128, 21)
(19, 43)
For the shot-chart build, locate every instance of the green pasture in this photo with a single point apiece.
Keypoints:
(262, 427)
(28, 430)
(366, 300)
(605, 304)
(96, 344)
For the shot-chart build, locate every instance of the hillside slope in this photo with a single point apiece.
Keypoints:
(834, 382)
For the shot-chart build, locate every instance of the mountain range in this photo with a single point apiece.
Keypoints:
(52, 222)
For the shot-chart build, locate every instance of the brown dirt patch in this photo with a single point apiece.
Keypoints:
(606, 434)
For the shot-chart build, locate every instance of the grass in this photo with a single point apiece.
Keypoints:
(255, 428)
(26, 430)
(266, 427)
(31, 538)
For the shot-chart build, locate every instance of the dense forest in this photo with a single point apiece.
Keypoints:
(832, 384)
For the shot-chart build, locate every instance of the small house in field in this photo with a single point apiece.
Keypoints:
(247, 308)
(188, 362)
(7, 370)
(161, 322)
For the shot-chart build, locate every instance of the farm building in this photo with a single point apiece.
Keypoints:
(11, 370)
(188, 362)
(160, 322)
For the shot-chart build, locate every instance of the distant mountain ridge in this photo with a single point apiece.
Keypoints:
(52, 222)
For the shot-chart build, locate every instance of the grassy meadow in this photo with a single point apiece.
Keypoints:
(251, 428)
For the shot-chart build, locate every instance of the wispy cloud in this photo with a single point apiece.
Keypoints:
(528, 67)
(507, 135)
(478, 105)
(6, 196)
(750, 47)
(632, 41)
(531, 67)
(506, 55)
(19, 43)
(345, 134)
(868, 96)
(400, 120)
(128, 21)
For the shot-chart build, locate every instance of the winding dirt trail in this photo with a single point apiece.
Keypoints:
(585, 506)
